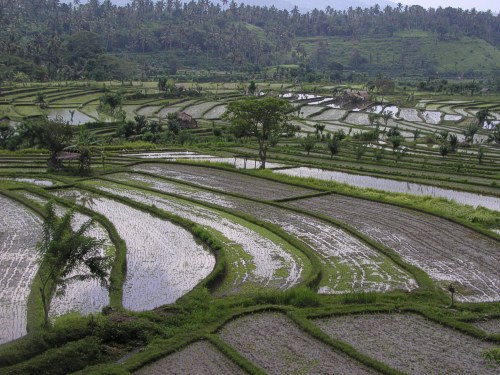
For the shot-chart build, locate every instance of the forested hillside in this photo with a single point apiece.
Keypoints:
(46, 39)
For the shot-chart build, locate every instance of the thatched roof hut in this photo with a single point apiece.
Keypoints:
(186, 121)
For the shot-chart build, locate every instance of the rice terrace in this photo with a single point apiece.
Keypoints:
(323, 262)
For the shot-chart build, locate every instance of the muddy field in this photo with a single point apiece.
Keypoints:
(19, 232)
(491, 326)
(410, 343)
(448, 252)
(349, 264)
(274, 343)
(164, 262)
(198, 358)
(225, 181)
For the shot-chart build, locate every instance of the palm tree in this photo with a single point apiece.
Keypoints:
(68, 255)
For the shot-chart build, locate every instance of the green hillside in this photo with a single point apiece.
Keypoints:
(413, 53)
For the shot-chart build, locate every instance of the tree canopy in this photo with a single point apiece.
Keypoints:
(265, 119)
(98, 40)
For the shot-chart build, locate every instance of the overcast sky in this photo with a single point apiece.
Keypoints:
(494, 5)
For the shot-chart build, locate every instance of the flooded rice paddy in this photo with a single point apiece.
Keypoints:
(266, 263)
(164, 262)
(446, 251)
(384, 184)
(349, 264)
(19, 232)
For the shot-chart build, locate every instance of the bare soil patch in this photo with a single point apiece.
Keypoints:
(410, 343)
(196, 359)
(276, 344)
(226, 181)
(448, 252)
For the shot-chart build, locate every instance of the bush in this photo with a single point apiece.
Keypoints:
(299, 297)
(359, 298)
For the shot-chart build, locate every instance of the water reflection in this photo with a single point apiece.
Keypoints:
(384, 184)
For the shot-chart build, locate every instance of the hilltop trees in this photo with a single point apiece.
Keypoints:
(265, 119)
(98, 40)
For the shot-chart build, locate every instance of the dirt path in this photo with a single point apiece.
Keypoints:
(410, 343)
(448, 252)
(199, 358)
(276, 344)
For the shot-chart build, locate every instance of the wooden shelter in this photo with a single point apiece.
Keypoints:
(186, 121)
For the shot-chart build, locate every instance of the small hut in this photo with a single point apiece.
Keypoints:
(186, 121)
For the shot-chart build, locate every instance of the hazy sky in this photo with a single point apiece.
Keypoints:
(494, 5)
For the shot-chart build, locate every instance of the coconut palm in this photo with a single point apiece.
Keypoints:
(67, 255)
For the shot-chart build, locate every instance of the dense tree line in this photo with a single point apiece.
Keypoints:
(48, 39)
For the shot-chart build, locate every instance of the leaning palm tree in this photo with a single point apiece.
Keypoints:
(68, 255)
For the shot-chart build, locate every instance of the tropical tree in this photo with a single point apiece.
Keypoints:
(333, 146)
(308, 143)
(83, 146)
(480, 155)
(470, 132)
(483, 116)
(252, 87)
(7, 132)
(55, 135)
(265, 119)
(68, 255)
(396, 141)
(320, 129)
(386, 116)
(444, 149)
(416, 133)
(453, 142)
(110, 103)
